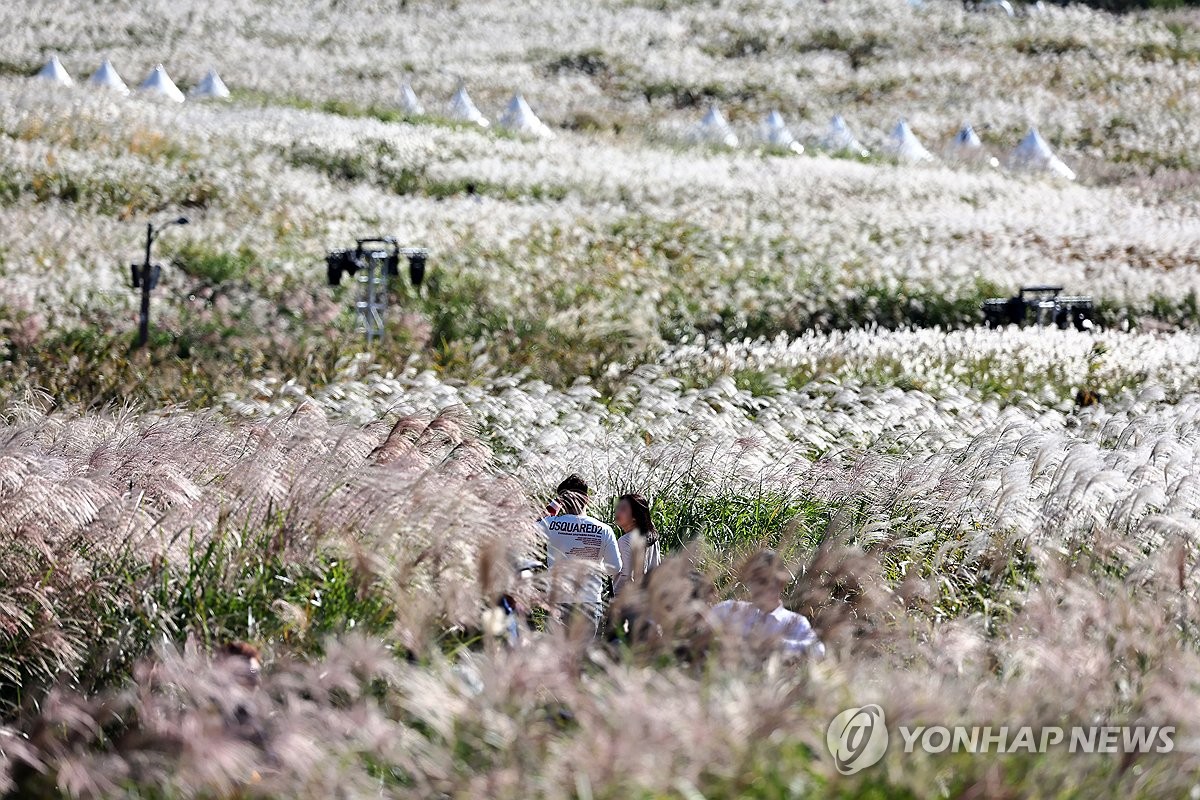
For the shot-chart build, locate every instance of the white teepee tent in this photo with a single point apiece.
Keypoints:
(775, 133)
(905, 145)
(409, 102)
(714, 129)
(1034, 154)
(966, 147)
(519, 118)
(840, 139)
(159, 84)
(107, 77)
(463, 109)
(966, 140)
(54, 72)
(210, 88)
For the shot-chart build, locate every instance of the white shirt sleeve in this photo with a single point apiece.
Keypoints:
(799, 637)
(543, 530)
(609, 553)
(725, 611)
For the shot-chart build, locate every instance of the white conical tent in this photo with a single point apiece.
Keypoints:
(54, 72)
(998, 6)
(775, 133)
(966, 140)
(211, 87)
(1034, 154)
(840, 139)
(905, 145)
(714, 129)
(107, 77)
(966, 147)
(462, 108)
(159, 84)
(519, 118)
(409, 102)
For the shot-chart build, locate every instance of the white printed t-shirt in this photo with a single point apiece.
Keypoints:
(581, 538)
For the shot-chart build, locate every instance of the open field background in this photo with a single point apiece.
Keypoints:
(611, 241)
(780, 349)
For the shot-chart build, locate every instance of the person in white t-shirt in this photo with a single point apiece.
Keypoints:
(638, 544)
(572, 535)
(764, 620)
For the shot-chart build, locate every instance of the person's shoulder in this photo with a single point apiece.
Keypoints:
(604, 528)
(731, 607)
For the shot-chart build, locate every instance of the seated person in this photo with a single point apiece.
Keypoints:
(763, 619)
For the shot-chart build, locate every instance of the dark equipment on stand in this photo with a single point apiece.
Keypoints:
(371, 263)
(1040, 305)
(145, 276)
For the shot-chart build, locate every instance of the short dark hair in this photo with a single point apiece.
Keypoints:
(239, 649)
(573, 483)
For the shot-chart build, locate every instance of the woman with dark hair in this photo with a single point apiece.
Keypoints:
(638, 544)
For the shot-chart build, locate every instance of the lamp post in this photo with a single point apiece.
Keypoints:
(145, 277)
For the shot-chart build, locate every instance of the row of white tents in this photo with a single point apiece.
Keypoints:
(517, 116)
(1032, 153)
(157, 84)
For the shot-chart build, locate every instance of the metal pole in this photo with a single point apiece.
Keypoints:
(144, 317)
(372, 333)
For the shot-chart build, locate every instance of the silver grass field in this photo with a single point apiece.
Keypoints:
(986, 527)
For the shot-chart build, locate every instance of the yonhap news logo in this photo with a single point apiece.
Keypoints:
(858, 738)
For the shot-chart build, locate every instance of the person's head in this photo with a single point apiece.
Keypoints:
(242, 661)
(573, 483)
(633, 514)
(766, 577)
(568, 503)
